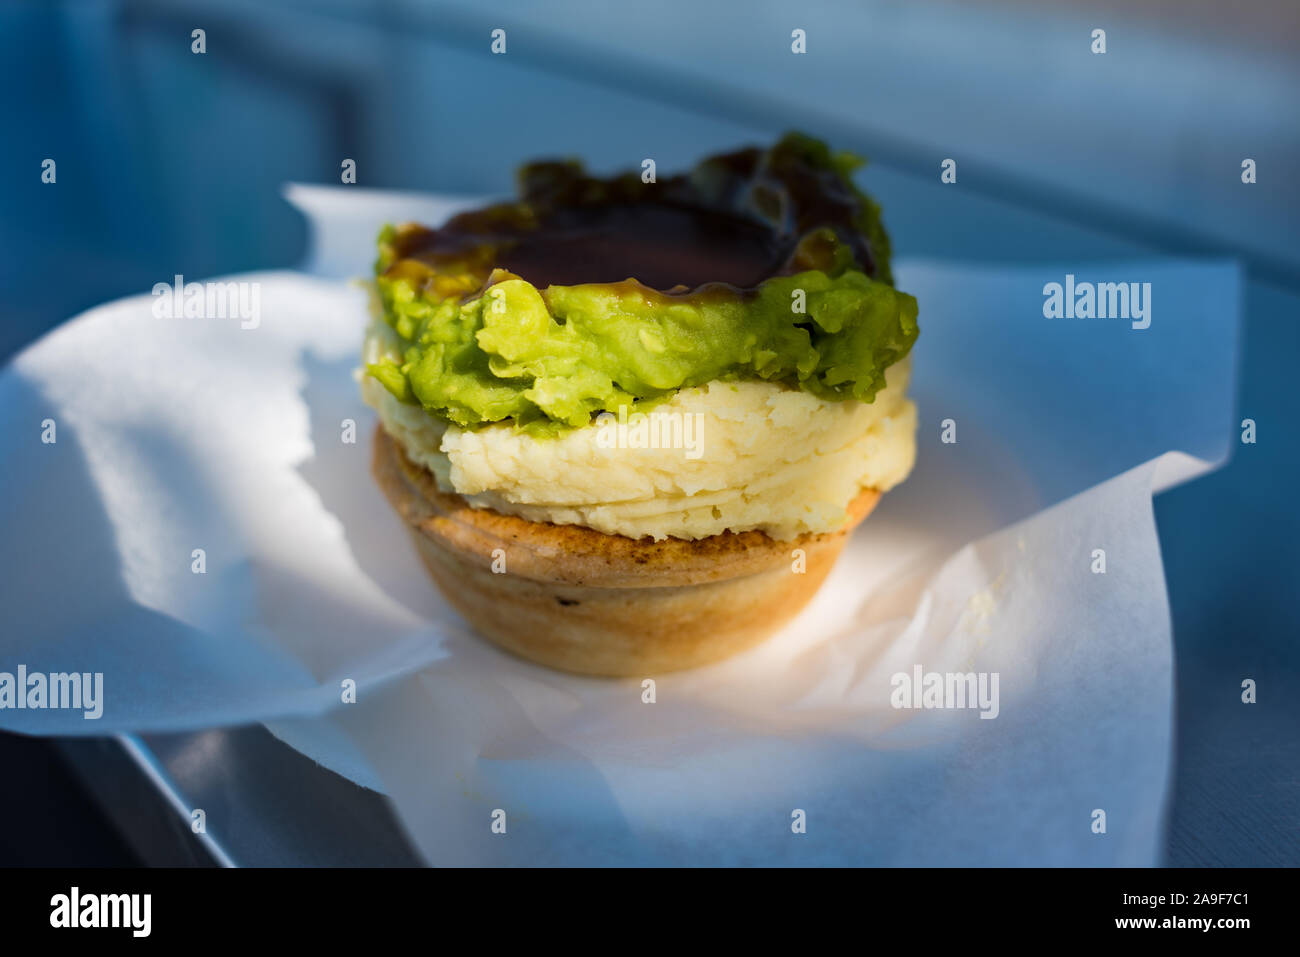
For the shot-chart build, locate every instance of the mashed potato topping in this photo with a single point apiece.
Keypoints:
(748, 455)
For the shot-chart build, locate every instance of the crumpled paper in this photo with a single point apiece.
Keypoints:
(180, 434)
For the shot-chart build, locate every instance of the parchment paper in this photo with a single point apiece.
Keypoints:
(183, 434)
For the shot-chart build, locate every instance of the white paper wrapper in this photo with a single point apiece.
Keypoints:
(183, 434)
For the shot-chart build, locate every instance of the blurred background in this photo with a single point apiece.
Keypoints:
(171, 162)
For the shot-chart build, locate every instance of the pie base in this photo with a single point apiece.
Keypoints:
(581, 601)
